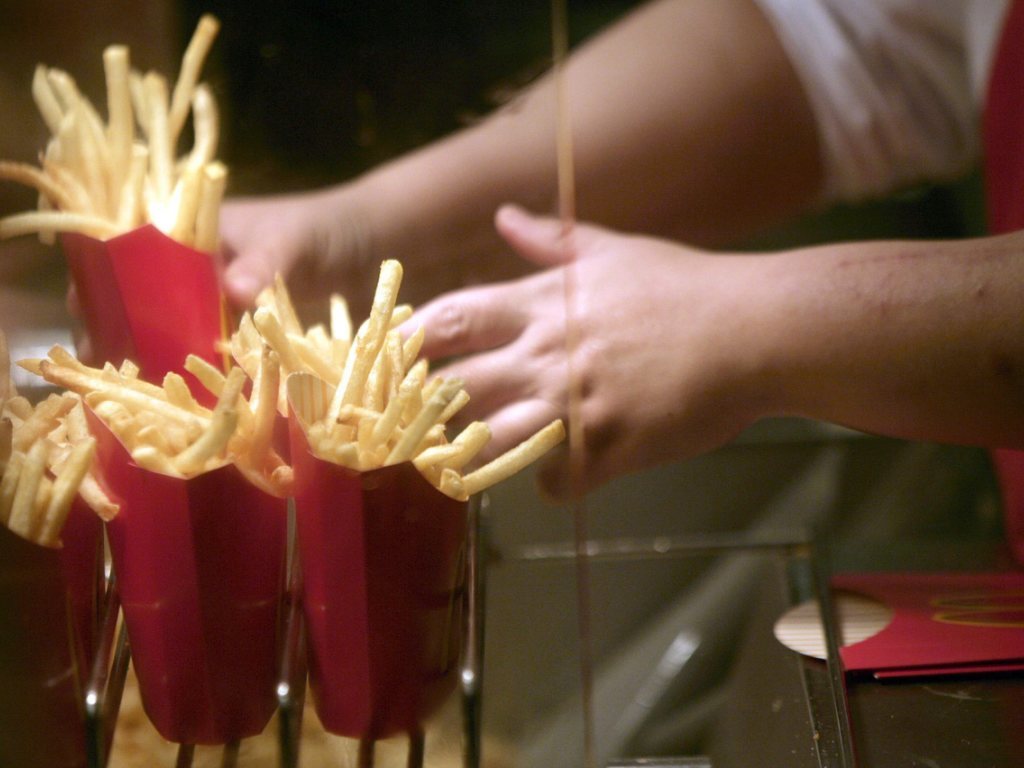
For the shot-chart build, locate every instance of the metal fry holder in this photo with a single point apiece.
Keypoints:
(106, 680)
(807, 577)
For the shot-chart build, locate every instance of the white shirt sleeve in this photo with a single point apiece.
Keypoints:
(896, 86)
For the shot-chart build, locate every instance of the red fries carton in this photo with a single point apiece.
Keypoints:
(148, 298)
(382, 556)
(200, 567)
(49, 603)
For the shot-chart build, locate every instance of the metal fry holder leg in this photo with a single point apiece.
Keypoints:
(106, 679)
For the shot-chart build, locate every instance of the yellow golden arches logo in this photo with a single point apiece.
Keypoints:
(1003, 609)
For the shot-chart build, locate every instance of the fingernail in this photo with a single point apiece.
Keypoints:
(512, 215)
(526, 224)
(242, 285)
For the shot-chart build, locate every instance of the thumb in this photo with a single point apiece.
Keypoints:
(540, 239)
(247, 274)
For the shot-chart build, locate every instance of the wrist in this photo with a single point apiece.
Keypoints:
(761, 375)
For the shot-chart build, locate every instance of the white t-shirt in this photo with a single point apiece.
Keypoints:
(897, 86)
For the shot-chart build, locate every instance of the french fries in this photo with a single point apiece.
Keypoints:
(46, 460)
(103, 179)
(165, 429)
(375, 404)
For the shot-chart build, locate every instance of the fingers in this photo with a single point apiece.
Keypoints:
(518, 421)
(541, 239)
(261, 238)
(248, 274)
(515, 422)
(470, 321)
(494, 380)
(536, 239)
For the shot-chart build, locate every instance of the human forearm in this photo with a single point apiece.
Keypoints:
(921, 340)
(687, 120)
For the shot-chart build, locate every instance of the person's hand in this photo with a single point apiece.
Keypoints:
(655, 355)
(317, 240)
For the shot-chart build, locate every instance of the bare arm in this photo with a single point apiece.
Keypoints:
(688, 122)
(681, 349)
(915, 339)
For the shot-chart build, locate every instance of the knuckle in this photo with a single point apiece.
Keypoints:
(452, 324)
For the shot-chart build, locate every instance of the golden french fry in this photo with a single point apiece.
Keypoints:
(160, 148)
(140, 106)
(132, 204)
(431, 387)
(457, 403)
(41, 421)
(184, 206)
(515, 459)
(389, 421)
(470, 441)
(270, 329)
(285, 309)
(9, 484)
(23, 516)
(401, 313)
(148, 457)
(65, 178)
(341, 320)
(376, 381)
(158, 438)
(46, 101)
(178, 393)
(64, 88)
(211, 195)
(265, 407)
(18, 407)
(93, 153)
(205, 128)
(45, 184)
(96, 498)
(65, 488)
(313, 360)
(436, 454)
(210, 444)
(191, 64)
(207, 374)
(453, 484)
(31, 222)
(121, 122)
(370, 337)
(128, 370)
(76, 423)
(425, 419)
(411, 347)
(98, 389)
(6, 443)
(395, 362)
